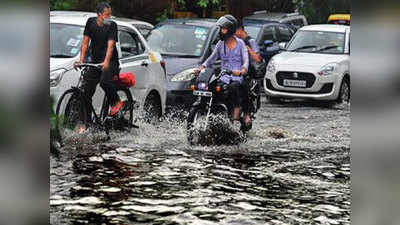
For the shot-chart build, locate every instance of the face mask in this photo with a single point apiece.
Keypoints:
(107, 21)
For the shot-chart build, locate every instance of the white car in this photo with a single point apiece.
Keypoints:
(143, 26)
(66, 34)
(315, 64)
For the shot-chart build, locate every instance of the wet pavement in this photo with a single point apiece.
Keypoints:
(294, 168)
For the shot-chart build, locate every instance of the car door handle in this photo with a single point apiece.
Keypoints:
(144, 63)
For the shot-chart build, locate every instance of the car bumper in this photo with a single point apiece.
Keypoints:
(179, 93)
(318, 87)
(175, 98)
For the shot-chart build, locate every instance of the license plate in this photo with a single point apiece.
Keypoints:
(202, 93)
(294, 83)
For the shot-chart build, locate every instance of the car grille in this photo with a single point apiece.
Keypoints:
(308, 77)
(326, 88)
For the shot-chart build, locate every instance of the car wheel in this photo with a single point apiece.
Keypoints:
(344, 93)
(152, 108)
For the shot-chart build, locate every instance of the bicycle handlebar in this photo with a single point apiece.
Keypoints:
(94, 65)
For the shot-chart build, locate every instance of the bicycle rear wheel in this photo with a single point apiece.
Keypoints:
(124, 118)
(70, 111)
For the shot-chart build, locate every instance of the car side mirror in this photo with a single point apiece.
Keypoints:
(282, 45)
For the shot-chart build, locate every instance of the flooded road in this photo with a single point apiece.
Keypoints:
(293, 169)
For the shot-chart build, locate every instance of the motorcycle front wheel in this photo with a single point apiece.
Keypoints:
(192, 120)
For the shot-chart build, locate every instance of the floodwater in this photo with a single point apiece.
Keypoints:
(294, 168)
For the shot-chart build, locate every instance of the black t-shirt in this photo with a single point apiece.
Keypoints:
(99, 36)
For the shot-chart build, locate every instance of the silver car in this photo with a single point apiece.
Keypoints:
(66, 34)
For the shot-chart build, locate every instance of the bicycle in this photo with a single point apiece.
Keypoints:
(76, 104)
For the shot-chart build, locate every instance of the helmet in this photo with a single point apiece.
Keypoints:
(233, 19)
(229, 22)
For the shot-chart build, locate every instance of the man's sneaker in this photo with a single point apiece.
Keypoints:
(116, 108)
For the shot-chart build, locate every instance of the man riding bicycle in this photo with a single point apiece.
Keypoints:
(234, 57)
(102, 34)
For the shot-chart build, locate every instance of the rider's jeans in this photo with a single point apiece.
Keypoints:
(234, 93)
(235, 84)
(244, 91)
(94, 76)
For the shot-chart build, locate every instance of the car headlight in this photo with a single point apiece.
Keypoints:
(185, 75)
(328, 69)
(271, 66)
(56, 76)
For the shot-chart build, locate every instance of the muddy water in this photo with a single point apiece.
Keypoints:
(293, 169)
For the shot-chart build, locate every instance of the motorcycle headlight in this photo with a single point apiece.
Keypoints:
(328, 69)
(271, 66)
(185, 75)
(202, 86)
(56, 76)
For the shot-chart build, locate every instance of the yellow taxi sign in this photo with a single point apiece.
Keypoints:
(339, 17)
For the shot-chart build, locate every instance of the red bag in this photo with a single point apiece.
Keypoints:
(126, 79)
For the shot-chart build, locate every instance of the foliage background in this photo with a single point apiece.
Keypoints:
(153, 11)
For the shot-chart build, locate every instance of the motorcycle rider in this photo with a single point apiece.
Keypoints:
(234, 57)
(254, 57)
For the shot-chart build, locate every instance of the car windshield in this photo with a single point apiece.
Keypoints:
(318, 42)
(178, 39)
(252, 31)
(65, 40)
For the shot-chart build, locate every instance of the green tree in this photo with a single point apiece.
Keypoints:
(61, 4)
(206, 3)
(318, 11)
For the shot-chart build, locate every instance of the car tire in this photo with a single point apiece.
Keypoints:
(344, 92)
(152, 108)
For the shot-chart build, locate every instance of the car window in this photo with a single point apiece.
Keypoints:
(144, 31)
(179, 39)
(268, 34)
(65, 40)
(318, 42)
(285, 34)
(252, 31)
(130, 45)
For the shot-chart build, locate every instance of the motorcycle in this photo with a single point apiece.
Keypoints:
(211, 111)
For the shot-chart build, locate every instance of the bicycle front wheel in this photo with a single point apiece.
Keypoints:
(71, 111)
